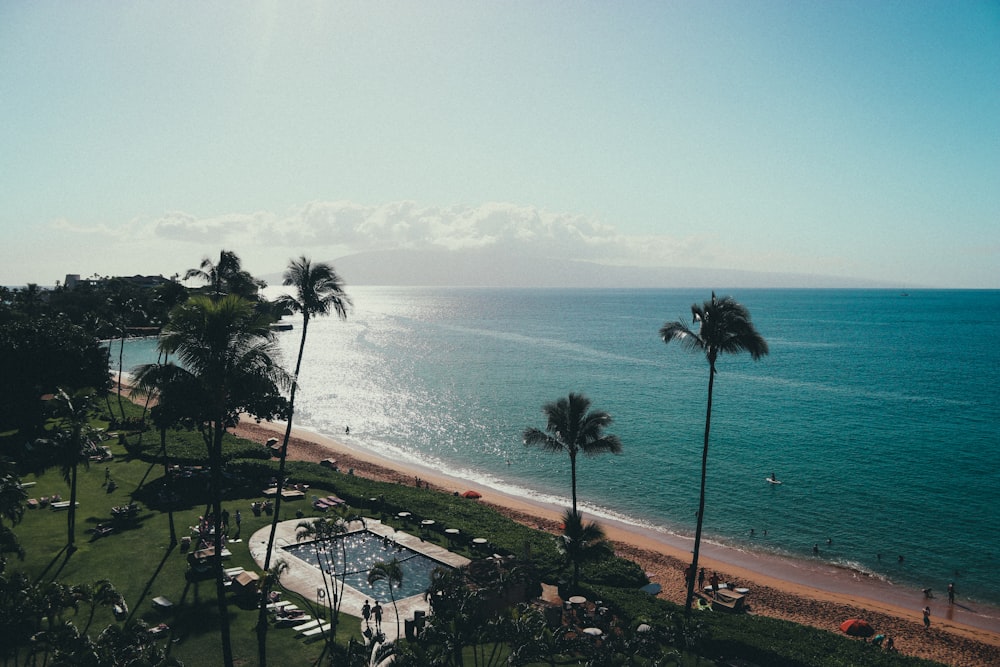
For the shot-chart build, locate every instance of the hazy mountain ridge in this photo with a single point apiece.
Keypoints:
(488, 269)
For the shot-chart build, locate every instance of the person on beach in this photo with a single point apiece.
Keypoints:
(927, 617)
(816, 549)
(366, 613)
(377, 611)
(701, 579)
(951, 592)
(715, 584)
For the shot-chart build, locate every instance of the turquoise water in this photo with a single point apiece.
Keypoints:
(878, 411)
(364, 549)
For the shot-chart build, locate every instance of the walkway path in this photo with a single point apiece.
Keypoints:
(306, 580)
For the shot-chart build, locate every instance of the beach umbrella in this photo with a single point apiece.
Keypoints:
(475, 495)
(856, 627)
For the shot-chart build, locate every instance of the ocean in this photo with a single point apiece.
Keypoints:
(878, 410)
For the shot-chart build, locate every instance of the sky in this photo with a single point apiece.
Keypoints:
(856, 140)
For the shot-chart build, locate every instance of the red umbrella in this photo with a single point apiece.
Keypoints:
(475, 495)
(857, 628)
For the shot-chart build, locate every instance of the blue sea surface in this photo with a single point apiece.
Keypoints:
(879, 412)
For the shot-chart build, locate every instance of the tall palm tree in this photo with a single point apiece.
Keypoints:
(74, 413)
(582, 543)
(572, 429)
(723, 326)
(319, 290)
(227, 366)
(392, 574)
(226, 276)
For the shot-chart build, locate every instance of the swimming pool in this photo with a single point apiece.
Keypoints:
(364, 549)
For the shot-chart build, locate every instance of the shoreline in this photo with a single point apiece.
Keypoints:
(820, 595)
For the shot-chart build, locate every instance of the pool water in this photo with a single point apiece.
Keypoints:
(363, 550)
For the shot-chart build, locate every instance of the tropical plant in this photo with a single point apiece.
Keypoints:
(572, 429)
(582, 543)
(318, 291)
(226, 276)
(227, 367)
(12, 506)
(392, 574)
(74, 414)
(724, 326)
(325, 531)
(101, 592)
(37, 357)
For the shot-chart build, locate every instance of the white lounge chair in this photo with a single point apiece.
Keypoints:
(322, 627)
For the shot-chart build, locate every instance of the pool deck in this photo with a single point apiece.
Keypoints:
(306, 580)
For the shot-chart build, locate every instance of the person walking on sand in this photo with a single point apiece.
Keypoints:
(927, 617)
(366, 613)
(377, 610)
(951, 592)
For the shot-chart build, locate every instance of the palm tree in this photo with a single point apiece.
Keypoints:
(582, 543)
(12, 505)
(724, 326)
(327, 530)
(100, 592)
(227, 367)
(226, 277)
(177, 396)
(572, 429)
(74, 413)
(318, 291)
(392, 573)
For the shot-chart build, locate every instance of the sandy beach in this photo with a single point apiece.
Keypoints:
(820, 596)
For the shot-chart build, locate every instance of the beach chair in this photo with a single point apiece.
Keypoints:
(323, 627)
(162, 603)
(281, 604)
(308, 626)
(293, 621)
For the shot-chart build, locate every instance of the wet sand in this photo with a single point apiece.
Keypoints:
(809, 593)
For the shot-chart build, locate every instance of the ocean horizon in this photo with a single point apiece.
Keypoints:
(881, 426)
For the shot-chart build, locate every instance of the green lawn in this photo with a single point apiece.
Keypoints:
(138, 560)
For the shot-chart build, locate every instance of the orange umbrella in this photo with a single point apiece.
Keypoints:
(857, 627)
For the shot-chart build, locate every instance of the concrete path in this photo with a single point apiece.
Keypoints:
(306, 580)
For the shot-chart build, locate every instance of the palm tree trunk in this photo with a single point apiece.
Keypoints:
(220, 588)
(168, 480)
(395, 609)
(572, 474)
(107, 396)
(262, 614)
(701, 495)
(71, 518)
(121, 356)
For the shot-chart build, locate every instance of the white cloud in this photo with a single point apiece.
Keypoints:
(332, 229)
(351, 227)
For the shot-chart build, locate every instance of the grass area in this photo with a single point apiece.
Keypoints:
(139, 561)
